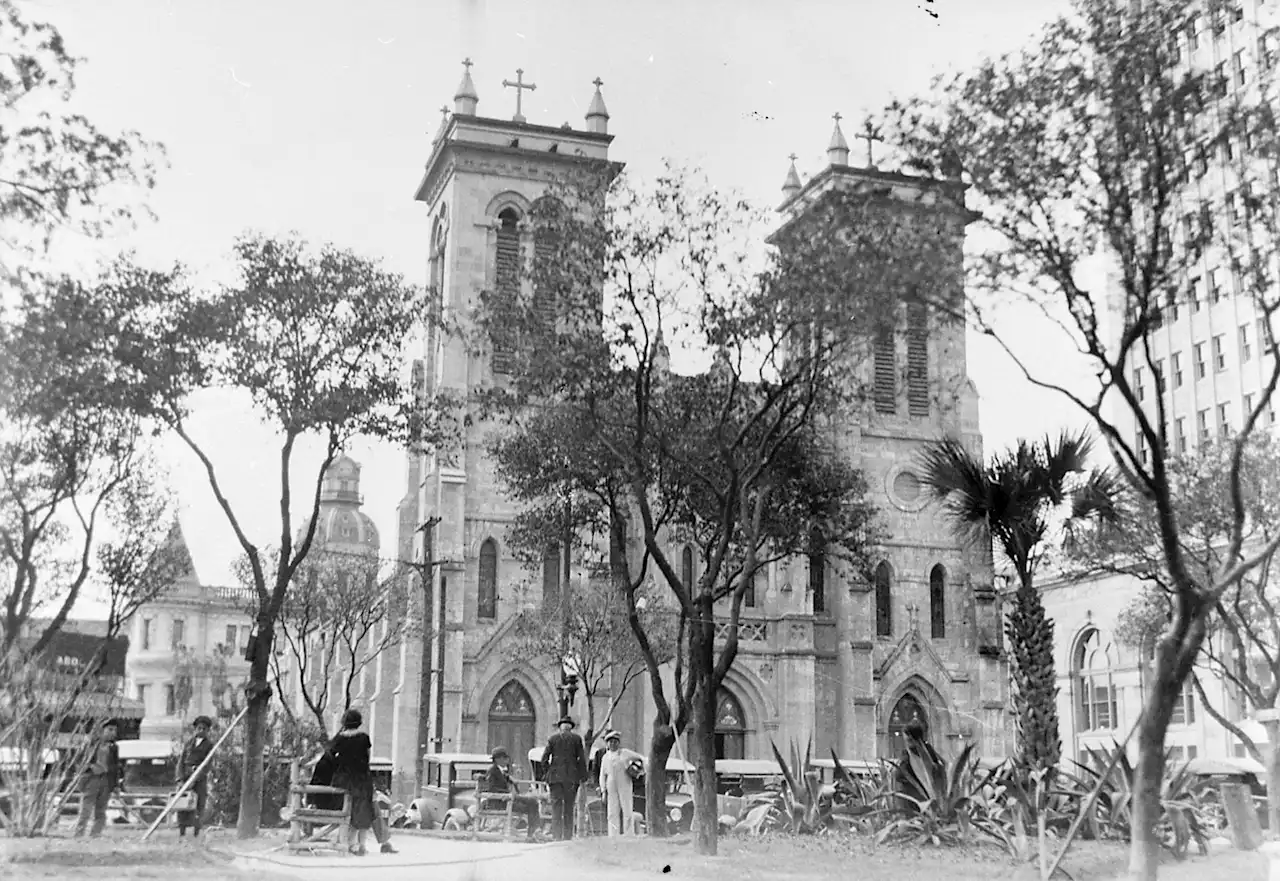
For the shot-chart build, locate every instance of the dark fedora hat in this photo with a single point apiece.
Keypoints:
(500, 753)
(567, 720)
(202, 720)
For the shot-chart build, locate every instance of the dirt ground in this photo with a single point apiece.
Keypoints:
(769, 859)
(800, 859)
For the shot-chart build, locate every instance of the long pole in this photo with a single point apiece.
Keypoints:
(195, 776)
(1088, 804)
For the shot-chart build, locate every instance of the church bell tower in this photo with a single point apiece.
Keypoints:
(481, 182)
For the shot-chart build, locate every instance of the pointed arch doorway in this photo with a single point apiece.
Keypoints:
(908, 709)
(513, 724)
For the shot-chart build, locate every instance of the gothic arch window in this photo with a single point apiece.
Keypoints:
(884, 599)
(917, 360)
(551, 577)
(818, 570)
(435, 302)
(686, 568)
(731, 727)
(938, 602)
(487, 599)
(1092, 663)
(506, 283)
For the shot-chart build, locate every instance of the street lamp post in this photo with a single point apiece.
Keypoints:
(567, 687)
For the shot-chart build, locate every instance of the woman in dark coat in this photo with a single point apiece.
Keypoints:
(350, 748)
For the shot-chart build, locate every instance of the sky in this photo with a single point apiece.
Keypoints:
(316, 117)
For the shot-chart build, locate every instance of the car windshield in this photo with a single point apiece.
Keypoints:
(148, 773)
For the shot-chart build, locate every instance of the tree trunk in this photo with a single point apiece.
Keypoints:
(1272, 727)
(1148, 782)
(661, 741)
(258, 693)
(1035, 693)
(702, 742)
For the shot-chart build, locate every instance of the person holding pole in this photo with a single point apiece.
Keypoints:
(194, 753)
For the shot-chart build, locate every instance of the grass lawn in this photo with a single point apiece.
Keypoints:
(793, 859)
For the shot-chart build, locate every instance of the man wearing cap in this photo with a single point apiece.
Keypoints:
(499, 780)
(104, 775)
(193, 756)
(566, 761)
(616, 768)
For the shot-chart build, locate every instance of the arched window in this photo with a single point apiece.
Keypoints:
(551, 577)
(686, 568)
(1096, 697)
(506, 285)
(731, 727)
(435, 293)
(513, 723)
(938, 602)
(908, 709)
(487, 601)
(884, 600)
(818, 570)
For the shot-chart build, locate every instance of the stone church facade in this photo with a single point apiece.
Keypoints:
(825, 656)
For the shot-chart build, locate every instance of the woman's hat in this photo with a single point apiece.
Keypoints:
(352, 719)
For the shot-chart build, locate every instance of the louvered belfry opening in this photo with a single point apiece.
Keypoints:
(507, 284)
(917, 360)
(885, 388)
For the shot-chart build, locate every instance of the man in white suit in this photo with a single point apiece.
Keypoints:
(615, 783)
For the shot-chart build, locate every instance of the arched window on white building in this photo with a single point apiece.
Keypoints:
(1096, 700)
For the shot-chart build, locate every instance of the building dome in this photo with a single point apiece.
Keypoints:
(342, 525)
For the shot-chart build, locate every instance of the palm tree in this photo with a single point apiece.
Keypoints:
(1015, 500)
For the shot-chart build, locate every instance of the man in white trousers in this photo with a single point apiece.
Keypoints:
(615, 783)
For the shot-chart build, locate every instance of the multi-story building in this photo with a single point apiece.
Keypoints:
(186, 651)
(1210, 361)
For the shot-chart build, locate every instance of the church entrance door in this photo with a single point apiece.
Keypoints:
(906, 710)
(514, 724)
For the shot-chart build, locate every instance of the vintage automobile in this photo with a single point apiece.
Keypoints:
(677, 786)
(14, 762)
(150, 778)
(1212, 773)
(745, 777)
(448, 781)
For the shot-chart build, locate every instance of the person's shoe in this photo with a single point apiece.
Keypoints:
(387, 848)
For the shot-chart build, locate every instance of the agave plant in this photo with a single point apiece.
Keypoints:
(800, 805)
(1184, 815)
(955, 795)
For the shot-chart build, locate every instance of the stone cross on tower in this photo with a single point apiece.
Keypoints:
(520, 86)
(793, 157)
(870, 134)
(444, 113)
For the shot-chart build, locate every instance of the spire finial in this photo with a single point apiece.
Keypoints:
(466, 99)
(597, 115)
(793, 157)
(791, 185)
(838, 149)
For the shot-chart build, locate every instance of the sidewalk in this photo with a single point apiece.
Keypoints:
(443, 859)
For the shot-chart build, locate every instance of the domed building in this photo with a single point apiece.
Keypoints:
(343, 527)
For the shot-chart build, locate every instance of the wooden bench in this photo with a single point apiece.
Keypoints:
(491, 807)
(302, 816)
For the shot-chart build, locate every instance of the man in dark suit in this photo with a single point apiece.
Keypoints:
(193, 756)
(566, 760)
(322, 775)
(499, 780)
